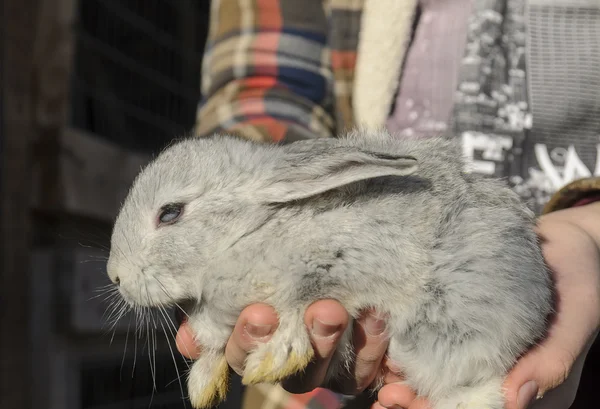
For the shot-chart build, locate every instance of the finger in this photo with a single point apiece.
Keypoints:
(396, 395)
(564, 395)
(370, 341)
(548, 372)
(571, 332)
(326, 321)
(185, 342)
(255, 324)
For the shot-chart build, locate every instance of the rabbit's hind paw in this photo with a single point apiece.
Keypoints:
(208, 382)
(272, 364)
(284, 355)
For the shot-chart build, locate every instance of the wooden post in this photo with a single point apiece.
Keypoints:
(52, 68)
(36, 59)
(16, 133)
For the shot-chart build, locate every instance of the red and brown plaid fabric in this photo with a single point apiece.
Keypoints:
(278, 71)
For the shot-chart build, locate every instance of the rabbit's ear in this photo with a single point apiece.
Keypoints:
(306, 174)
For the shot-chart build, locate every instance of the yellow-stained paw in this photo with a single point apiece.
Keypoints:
(215, 391)
(266, 372)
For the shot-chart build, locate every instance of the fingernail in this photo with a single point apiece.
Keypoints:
(324, 330)
(258, 331)
(527, 394)
(374, 325)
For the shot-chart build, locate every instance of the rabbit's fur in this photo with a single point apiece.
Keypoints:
(451, 258)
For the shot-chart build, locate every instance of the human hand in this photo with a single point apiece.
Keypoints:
(553, 368)
(570, 244)
(326, 321)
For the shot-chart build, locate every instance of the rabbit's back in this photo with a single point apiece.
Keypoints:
(486, 301)
(485, 260)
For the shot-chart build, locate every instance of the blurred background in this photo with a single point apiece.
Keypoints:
(91, 89)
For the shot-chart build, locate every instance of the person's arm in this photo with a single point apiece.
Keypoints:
(570, 232)
(266, 74)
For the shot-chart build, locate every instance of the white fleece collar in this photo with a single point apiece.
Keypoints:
(383, 40)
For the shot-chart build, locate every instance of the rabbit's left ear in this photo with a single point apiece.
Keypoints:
(304, 174)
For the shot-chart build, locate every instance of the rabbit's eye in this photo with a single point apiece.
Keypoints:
(170, 213)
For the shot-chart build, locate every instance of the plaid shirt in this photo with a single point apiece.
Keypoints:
(281, 71)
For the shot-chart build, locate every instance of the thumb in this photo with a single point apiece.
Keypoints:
(554, 366)
(550, 370)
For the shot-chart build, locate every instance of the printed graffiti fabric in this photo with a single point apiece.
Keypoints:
(564, 83)
(491, 110)
(527, 105)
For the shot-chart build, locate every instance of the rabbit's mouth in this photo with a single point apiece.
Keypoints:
(183, 310)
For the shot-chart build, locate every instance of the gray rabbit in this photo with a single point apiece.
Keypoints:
(399, 225)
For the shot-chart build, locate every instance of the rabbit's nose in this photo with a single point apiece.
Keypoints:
(113, 274)
(115, 279)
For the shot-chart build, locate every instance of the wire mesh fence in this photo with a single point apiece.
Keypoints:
(136, 83)
(137, 69)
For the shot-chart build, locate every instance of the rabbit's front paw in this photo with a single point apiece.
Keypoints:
(208, 381)
(288, 352)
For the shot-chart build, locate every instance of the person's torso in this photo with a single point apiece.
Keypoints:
(526, 102)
